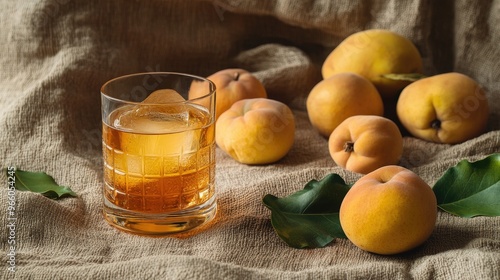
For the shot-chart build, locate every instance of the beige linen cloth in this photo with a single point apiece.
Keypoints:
(55, 55)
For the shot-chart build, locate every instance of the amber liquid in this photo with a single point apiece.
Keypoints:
(159, 164)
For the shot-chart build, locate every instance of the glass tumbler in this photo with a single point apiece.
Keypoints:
(158, 136)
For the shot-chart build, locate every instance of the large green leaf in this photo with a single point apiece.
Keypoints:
(39, 182)
(471, 189)
(309, 218)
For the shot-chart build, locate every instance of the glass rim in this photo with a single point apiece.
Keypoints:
(194, 77)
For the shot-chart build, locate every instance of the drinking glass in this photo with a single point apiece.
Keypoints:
(158, 136)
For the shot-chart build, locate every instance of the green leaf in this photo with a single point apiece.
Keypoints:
(309, 218)
(471, 189)
(40, 182)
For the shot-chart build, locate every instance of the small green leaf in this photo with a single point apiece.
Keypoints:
(40, 182)
(410, 77)
(471, 189)
(309, 218)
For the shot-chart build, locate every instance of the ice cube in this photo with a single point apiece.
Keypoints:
(161, 112)
(163, 135)
(160, 129)
(149, 120)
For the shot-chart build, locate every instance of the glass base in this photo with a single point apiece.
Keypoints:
(159, 224)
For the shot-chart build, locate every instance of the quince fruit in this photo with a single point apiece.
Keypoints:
(340, 96)
(388, 211)
(447, 108)
(364, 143)
(373, 54)
(256, 131)
(231, 85)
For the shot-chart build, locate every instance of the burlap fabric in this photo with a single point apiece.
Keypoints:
(55, 55)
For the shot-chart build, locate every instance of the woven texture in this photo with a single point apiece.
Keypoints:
(55, 55)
